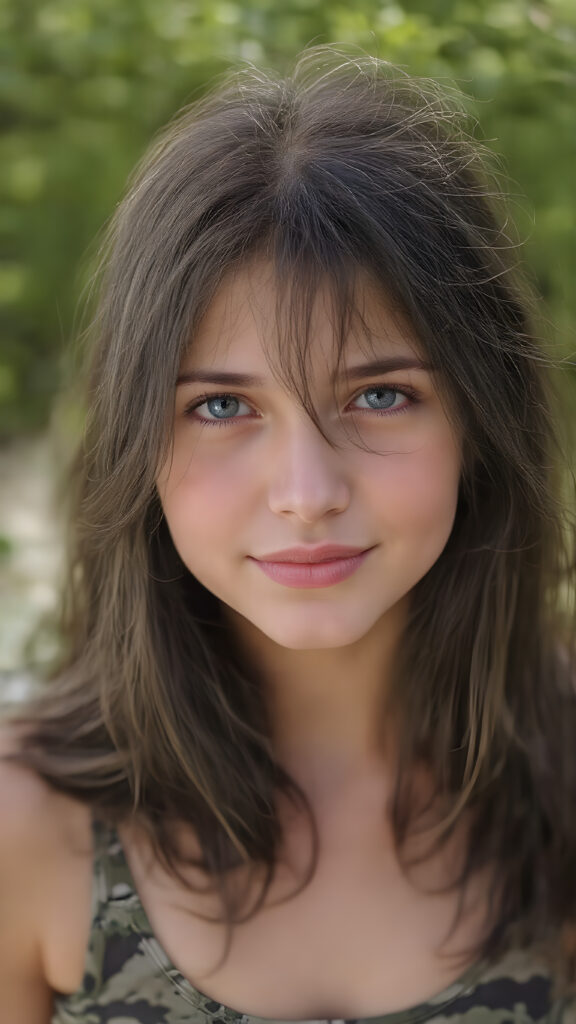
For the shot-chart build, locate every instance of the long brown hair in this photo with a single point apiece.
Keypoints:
(347, 166)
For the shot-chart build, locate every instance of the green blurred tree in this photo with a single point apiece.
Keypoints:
(86, 83)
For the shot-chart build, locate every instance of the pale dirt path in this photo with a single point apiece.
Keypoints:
(30, 571)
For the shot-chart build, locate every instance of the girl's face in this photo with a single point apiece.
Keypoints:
(250, 474)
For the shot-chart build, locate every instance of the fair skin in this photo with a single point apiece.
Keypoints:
(230, 495)
(268, 480)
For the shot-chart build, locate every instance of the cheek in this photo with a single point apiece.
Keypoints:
(420, 490)
(201, 502)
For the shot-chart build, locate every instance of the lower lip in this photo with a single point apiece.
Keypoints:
(309, 575)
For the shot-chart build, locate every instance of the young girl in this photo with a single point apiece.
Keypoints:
(311, 753)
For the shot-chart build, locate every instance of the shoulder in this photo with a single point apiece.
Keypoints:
(35, 816)
(45, 858)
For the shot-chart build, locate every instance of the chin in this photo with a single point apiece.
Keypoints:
(308, 636)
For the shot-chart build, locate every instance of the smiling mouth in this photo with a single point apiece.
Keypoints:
(312, 575)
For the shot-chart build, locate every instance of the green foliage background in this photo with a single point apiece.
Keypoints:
(85, 84)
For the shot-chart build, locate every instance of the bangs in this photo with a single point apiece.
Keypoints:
(307, 294)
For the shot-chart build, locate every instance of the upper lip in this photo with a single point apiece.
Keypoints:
(321, 553)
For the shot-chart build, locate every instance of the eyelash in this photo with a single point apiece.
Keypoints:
(408, 392)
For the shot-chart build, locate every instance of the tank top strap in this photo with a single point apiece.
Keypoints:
(115, 901)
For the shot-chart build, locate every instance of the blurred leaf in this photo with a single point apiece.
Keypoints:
(12, 283)
(6, 547)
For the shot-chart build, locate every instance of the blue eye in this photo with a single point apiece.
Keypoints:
(222, 409)
(223, 406)
(380, 398)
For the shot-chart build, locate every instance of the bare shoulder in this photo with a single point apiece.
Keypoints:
(31, 809)
(45, 857)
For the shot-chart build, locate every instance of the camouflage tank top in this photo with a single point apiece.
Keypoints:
(129, 979)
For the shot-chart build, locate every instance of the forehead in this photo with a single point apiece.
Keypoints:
(255, 316)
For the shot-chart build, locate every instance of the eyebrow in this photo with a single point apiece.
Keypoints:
(247, 380)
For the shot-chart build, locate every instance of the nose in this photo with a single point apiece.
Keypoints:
(308, 478)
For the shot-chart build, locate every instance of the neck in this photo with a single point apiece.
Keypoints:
(327, 707)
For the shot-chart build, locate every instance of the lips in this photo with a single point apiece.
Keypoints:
(323, 566)
(308, 555)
